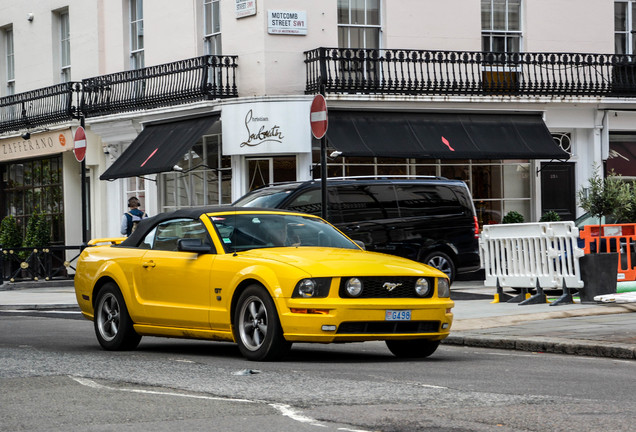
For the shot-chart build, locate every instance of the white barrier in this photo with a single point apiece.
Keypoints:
(532, 255)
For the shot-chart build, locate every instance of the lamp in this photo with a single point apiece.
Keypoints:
(26, 135)
(335, 154)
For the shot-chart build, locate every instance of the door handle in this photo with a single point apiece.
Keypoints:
(147, 264)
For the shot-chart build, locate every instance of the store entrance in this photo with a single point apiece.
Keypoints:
(558, 189)
(266, 170)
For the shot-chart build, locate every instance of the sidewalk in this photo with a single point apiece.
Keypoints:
(602, 330)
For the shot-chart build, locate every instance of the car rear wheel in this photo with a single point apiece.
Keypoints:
(418, 348)
(441, 262)
(113, 326)
(257, 327)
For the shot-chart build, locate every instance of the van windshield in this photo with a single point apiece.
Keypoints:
(266, 198)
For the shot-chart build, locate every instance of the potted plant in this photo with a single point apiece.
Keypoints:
(38, 235)
(599, 270)
(512, 217)
(10, 238)
(550, 216)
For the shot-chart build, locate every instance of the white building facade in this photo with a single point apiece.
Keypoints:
(384, 66)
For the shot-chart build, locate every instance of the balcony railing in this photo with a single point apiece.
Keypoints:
(37, 107)
(200, 78)
(420, 72)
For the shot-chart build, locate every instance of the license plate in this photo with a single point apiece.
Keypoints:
(398, 315)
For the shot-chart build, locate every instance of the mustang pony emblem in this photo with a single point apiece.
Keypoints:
(390, 286)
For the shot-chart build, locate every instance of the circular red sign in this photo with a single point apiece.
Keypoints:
(80, 144)
(318, 116)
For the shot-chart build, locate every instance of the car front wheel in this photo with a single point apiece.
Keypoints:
(418, 348)
(113, 326)
(257, 327)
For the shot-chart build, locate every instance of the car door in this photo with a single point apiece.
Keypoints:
(173, 286)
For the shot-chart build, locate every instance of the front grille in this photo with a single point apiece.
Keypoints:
(388, 327)
(374, 287)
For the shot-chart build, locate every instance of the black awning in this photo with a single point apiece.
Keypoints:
(442, 135)
(159, 147)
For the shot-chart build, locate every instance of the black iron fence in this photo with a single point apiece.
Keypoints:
(37, 107)
(421, 72)
(206, 77)
(183, 81)
(47, 263)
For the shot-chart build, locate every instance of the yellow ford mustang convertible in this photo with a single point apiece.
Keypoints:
(261, 278)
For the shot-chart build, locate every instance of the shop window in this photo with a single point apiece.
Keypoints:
(30, 185)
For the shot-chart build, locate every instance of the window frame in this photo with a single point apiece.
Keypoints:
(9, 60)
(492, 33)
(628, 34)
(349, 26)
(212, 38)
(65, 46)
(136, 29)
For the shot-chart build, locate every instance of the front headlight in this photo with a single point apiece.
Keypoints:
(422, 287)
(443, 287)
(354, 287)
(312, 288)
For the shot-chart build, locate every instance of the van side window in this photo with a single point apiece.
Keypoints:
(310, 202)
(370, 202)
(419, 200)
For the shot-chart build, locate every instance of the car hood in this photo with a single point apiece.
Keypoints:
(333, 262)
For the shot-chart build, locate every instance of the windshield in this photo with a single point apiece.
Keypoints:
(241, 232)
(266, 198)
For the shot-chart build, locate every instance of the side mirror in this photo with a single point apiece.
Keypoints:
(193, 245)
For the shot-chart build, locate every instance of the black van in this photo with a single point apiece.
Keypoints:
(428, 220)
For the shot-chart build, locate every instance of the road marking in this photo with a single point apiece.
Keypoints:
(285, 410)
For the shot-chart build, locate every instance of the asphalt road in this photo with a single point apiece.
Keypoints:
(54, 377)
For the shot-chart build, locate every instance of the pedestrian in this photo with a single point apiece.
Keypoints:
(131, 218)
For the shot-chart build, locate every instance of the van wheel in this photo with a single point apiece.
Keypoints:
(441, 262)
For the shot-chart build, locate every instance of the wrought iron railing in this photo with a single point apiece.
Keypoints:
(420, 72)
(37, 107)
(200, 78)
(47, 263)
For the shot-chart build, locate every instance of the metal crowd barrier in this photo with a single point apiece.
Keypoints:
(530, 256)
(28, 264)
(618, 238)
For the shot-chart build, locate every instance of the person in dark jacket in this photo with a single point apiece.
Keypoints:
(131, 218)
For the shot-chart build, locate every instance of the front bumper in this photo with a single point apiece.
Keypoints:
(348, 320)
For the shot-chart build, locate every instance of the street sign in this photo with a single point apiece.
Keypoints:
(318, 116)
(80, 144)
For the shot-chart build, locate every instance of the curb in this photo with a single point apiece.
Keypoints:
(34, 307)
(544, 345)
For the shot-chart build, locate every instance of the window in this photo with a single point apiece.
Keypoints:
(8, 37)
(212, 27)
(501, 25)
(166, 234)
(204, 177)
(136, 187)
(35, 185)
(136, 34)
(359, 24)
(65, 47)
(624, 31)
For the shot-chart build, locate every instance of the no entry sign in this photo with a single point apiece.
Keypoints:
(318, 116)
(79, 147)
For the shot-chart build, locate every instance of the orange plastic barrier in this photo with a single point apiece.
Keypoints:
(619, 238)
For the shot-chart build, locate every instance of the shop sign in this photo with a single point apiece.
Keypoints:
(287, 22)
(39, 144)
(244, 8)
(266, 128)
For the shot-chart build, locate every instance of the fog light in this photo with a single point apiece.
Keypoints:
(443, 287)
(354, 287)
(307, 288)
(445, 326)
(422, 287)
(329, 328)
